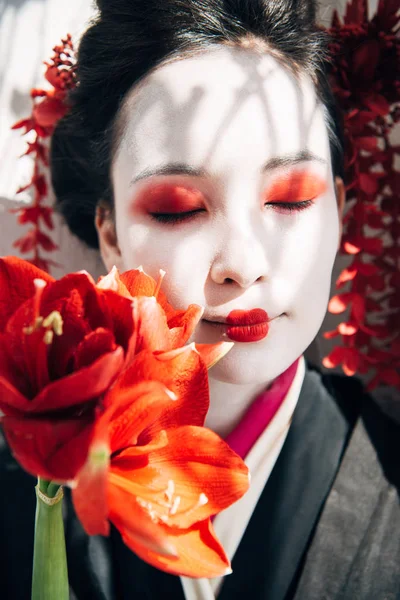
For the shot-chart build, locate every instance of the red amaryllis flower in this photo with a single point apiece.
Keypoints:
(62, 344)
(155, 472)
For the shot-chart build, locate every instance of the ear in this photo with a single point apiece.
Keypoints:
(340, 199)
(108, 243)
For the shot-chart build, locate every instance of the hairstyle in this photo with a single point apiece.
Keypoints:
(127, 40)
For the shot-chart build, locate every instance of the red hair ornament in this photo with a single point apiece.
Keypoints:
(48, 107)
(365, 56)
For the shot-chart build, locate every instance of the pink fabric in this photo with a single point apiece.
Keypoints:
(261, 413)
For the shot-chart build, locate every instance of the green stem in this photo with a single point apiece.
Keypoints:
(50, 574)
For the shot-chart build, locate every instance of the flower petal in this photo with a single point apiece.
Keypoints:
(118, 426)
(192, 477)
(112, 281)
(153, 331)
(334, 358)
(10, 371)
(93, 346)
(90, 303)
(49, 111)
(199, 553)
(134, 410)
(129, 518)
(28, 351)
(12, 402)
(87, 384)
(183, 324)
(181, 371)
(340, 302)
(50, 449)
(121, 315)
(90, 492)
(212, 353)
(16, 285)
(138, 283)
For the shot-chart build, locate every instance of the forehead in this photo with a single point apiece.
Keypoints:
(224, 108)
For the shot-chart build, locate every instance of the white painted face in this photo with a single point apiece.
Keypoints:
(227, 132)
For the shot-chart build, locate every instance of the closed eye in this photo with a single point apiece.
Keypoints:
(175, 218)
(289, 206)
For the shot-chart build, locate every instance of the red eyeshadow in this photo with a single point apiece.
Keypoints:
(167, 198)
(297, 186)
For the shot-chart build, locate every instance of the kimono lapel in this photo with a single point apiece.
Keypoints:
(356, 548)
(90, 569)
(136, 579)
(274, 543)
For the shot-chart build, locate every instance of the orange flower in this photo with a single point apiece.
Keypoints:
(159, 325)
(155, 472)
(62, 344)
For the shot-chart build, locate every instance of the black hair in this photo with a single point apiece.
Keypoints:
(127, 40)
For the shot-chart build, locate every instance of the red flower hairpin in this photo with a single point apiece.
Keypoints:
(48, 107)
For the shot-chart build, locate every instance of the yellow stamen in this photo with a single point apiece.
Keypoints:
(48, 337)
(55, 322)
(171, 504)
(175, 505)
(169, 492)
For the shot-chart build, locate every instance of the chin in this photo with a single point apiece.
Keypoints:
(248, 365)
(263, 361)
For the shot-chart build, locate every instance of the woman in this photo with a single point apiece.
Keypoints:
(203, 140)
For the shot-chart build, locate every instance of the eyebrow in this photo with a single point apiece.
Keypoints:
(275, 162)
(289, 160)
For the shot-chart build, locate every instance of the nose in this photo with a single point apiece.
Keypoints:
(241, 258)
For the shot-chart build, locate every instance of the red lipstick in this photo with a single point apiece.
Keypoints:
(247, 325)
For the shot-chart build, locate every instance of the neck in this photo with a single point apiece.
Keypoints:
(228, 404)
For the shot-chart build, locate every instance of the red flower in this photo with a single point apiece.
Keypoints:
(365, 58)
(349, 358)
(155, 472)
(49, 111)
(62, 344)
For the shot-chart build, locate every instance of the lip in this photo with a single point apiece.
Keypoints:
(244, 325)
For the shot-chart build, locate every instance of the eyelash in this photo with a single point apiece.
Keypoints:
(176, 218)
(291, 206)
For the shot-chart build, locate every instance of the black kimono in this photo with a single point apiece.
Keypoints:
(326, 526)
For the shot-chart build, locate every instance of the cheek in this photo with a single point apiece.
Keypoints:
(308, 252)
(185, 256)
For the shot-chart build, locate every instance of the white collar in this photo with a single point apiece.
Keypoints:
(230, 524)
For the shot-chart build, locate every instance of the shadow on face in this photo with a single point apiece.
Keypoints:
(222, 177)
